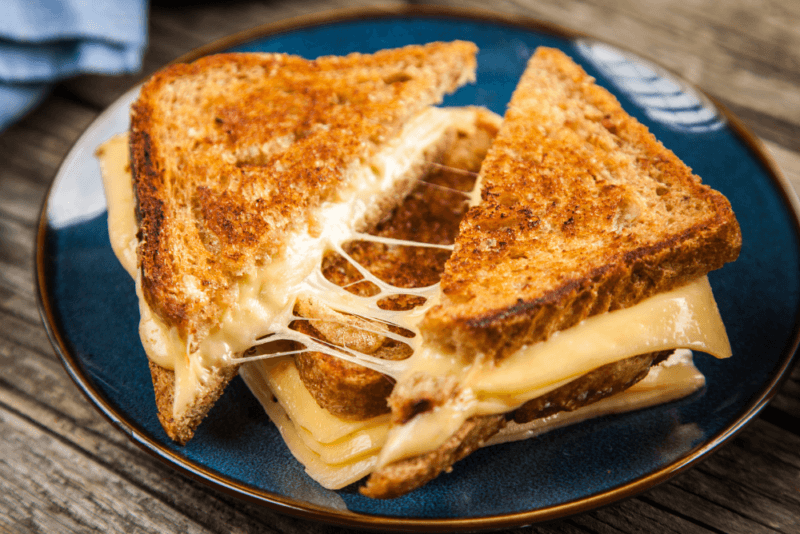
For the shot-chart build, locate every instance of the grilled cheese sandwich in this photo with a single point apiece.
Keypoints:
(583, 218)
(453, 392)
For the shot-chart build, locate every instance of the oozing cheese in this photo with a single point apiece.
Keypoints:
(285, 383)
(115, 168)
(266, 297)
(686, 317)
(673, 379)
(332, 475)
(161, 343)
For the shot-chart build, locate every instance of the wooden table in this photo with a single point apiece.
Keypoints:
(63, 468)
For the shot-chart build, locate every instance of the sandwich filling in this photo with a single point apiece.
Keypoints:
(265, 300)
(336, 452)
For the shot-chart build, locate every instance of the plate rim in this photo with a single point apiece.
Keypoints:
(308, 510)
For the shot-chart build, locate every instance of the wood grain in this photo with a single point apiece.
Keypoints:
(63, 468)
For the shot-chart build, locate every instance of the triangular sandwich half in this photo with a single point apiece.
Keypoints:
(245, 168)
(583, 258)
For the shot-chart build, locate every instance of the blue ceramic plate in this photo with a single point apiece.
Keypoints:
(91, 312)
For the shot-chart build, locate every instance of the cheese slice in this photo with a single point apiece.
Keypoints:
(673, 379)
(115, 168)
(285, 383)
(161, 343)
(318, 464)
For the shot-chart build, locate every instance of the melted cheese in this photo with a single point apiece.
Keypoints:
(118, 187)
(329, 474)
(161, 343)
(673, 379)
(686, 317)
(346, 460)
(266, 296)
(285, 383)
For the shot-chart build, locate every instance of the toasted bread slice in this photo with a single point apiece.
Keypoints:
(582, 211)
(232, 157)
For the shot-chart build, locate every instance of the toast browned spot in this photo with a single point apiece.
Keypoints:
(582, 212)
(232, 153)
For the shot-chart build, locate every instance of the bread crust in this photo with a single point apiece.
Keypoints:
(181, 428)
(583, 211)
(400, 477)
(343, 388)
(407, 475)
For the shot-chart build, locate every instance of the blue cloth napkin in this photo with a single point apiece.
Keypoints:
(43, 41)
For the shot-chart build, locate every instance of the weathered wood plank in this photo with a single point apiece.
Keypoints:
(751, 66)
(18, 198)
(788, 161)
(16, 250)
(126, 469)
(175, 30)
(35, 147)
(637, 515)
(690, 503)
(737, 490)
(54, 487)
(787, 401)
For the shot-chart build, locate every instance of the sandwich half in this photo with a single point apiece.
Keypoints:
(243, 169)
(580, 265)
(582, 260)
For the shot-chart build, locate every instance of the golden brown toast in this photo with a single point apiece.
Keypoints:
(232, 153)
(582, 211)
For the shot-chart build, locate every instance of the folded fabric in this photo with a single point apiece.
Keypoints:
(43, 41)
